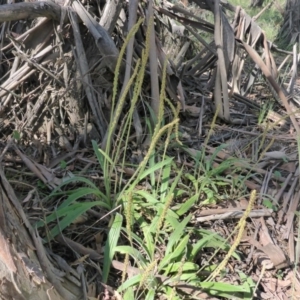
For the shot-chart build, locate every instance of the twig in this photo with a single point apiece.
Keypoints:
(262, 11)
(235, 215)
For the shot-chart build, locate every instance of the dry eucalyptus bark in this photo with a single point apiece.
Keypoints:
(25, 269)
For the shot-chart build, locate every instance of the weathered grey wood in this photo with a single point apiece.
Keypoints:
(104, 42)
(19, 11)
(24, 267)
(110, 15)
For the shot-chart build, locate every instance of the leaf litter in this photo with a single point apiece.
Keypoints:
(56, 85)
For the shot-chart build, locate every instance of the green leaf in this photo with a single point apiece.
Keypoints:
(66, 206)
(193, 180)
(70, 213)
(173, 185)
(134, 280)
(129, 294)
(134, 253)
(148, 238)
(156, 167)
(63, 164)
(143, 248)
(183, 266)
(150, 295)
(172, 219)
(73, 180)
(214, 240)
(178, 251)
(79, 193)
(16, 135)
(268, 204)
(177, 233)
(152, 164)
(150, 198)
(101, 155)
(110, 246)
(223, 289)
(185, 206)
(165, 181)
(104, 160)
(248, 283)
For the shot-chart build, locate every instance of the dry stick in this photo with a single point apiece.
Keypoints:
(104, 42)
(181, 55)
(19, 11)
(39, 170)
(290, 214)
(111, 14)
(221, 91)
(237, 214)
(256, 58)
(287, 200)
(291, 245)
(264, 188)
(21, 74)
(2, 34)
(262, 11)
(201, 40)
(38, 66)
(132, 18)
(28, 32)
(155, 97)
(249, 257)
(283, 187)
(294, 68)
(13, 69)
(84, 72)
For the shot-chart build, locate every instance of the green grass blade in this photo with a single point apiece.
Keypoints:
(172, 219)
(111, 243)
(101, 155)
(129, 294)
(104, 160)
(134, 253)
(173, 185)
(184, 207)
(178, 251)
(199, 246)
(73, 180)
(177, 233)
(134, 280)
(70, 213)
(150, 295)
(165, 180)
(65, 209)
(79, 193)
(152, 164)
(155, 167)
(182, 267)
(215, 241)
(143, 247)
(151, 199)
(224, 289)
